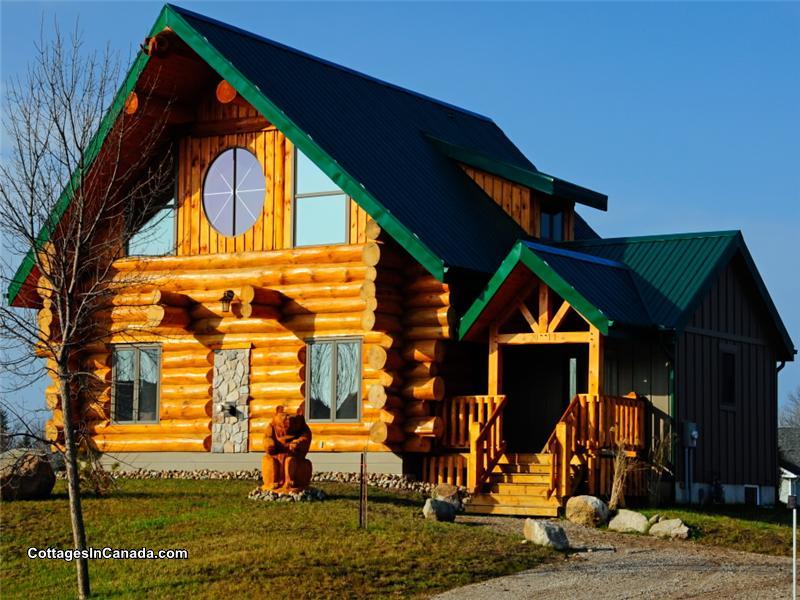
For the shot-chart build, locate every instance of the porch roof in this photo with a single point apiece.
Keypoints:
(603, 291)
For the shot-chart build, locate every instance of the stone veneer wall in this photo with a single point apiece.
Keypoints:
(231, 385)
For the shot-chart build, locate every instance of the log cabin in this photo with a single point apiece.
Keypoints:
(397, 266)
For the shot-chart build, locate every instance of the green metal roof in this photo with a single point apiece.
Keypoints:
(649, 281)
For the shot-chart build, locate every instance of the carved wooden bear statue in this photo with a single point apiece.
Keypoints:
(287, 440)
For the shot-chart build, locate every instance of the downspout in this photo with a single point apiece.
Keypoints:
(779, 368)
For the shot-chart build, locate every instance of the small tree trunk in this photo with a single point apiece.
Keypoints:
(74, 488)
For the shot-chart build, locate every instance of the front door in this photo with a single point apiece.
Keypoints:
(539, 381)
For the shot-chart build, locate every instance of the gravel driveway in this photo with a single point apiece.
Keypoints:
(614, 565)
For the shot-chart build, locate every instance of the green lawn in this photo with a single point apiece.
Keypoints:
(751, 529)
(241, 548)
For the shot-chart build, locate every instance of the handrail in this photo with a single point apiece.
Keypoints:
(486, 446)
(591, 423)
(460, 412)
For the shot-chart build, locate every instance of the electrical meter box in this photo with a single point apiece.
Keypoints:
(690, 434)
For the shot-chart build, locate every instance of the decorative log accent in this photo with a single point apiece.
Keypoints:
(383, 433)
(166, 316)
(424, 426)
(249, 294)
(225, 92)
(425, 389)
(424, 351)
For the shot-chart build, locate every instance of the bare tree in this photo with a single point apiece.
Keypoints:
(790, 412)
(73, 190)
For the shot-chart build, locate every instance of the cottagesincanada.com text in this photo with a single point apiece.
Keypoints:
(70, 554)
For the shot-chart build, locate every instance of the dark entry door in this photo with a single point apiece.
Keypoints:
(538, 381)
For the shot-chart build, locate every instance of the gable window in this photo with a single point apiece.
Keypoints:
(333, 380)
(727, 373)
(234, 191)
(320, 207)
(552, 226)
(135, 383)
(156, 237)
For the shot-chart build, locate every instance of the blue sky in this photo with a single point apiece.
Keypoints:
(686, 115)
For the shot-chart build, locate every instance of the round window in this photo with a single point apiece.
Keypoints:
(233, 192)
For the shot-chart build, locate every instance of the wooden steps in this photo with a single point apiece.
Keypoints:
(517, 486)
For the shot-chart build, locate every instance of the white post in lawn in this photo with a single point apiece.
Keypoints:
(793, 502)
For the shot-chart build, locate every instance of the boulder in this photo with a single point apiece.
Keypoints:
(439, 510)
(447, 493)
(587, 510)
(672, 529)
(546, 533)
(30, 477)
(654, 519)
(628, 521)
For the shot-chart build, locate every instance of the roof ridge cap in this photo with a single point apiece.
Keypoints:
(332, 64)
(656, 237)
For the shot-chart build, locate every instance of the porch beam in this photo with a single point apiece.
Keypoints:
(569, 337)
(528, 316)
(544, 306)
(559, 316)
(495, 362)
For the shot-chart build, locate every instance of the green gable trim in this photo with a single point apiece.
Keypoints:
(520, 254)
(306, 144)
(536, 180)
(92, 150)
(250, 92)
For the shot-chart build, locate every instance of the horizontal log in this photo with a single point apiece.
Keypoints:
(276, 389)
(185, 410)
(425, 389)
(250, 294)
(167, 316)
(371, 254)
(256, 311)
(426, 284)
(164, 427)
(304, 323)
(430, 300)
(168, 298)
(259, 426)
(421, 370)
(417, 408)
(378, 357)
(424, 426)
(191, 376)
(277, 373)
(310, 255)
(383, 433)
(417, 444)
(328, 305)
(263, 277)
(384, 401)
(329, 443)
(318, 291)
(107, 443)
(278, 356)
(430, 350)
(429, 316)
(187, 359)
(414, 333)
(96, 361)
(367, 290)
(169, 391)
(392, 417)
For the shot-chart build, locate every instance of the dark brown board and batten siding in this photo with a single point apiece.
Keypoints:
(738, 436)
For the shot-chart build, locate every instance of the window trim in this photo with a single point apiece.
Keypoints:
(335, 341)
(296, 196)
(135, 409)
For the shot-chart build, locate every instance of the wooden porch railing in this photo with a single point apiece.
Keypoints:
(459, 414)
(486, 445)
(589, 424)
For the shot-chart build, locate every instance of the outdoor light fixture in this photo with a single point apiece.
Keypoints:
(226, 300)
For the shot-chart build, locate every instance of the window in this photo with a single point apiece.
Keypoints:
(233, 191)
(333, 373)
(135, 377)
(320, 207)
(728, 376)
(552, 226)
(157, 236)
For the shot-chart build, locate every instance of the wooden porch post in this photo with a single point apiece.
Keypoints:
(596, 369)
(495, 362)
